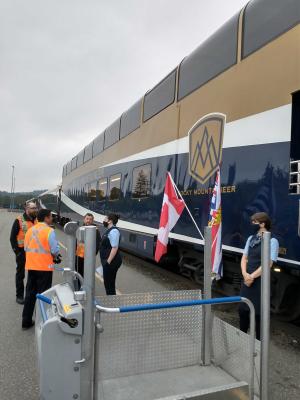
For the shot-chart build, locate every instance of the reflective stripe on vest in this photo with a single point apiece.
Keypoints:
(80, 250)
(38, 253)
(23, 228)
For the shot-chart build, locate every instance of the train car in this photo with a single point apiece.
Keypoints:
(249, 70)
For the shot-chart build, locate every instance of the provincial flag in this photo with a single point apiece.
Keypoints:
(215, 221)
(172, 208)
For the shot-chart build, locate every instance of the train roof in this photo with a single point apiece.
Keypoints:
(263, 21)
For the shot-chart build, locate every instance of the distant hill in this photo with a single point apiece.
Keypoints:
(19, 198)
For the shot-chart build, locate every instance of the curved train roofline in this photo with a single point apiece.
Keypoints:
(238, 91)
(249, 71)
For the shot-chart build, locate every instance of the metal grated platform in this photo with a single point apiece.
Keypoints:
(158, 353)
(180, 383)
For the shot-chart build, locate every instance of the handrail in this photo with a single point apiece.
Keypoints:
(175, 304)
(44, 298)
(189, 303)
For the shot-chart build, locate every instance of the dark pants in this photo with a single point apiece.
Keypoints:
(109, 276)
(245, 322)
(37, 282)
(20, 273)
(79, 265)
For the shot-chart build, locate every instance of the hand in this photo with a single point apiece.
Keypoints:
(248, 279)
(57, 259)
(18, 253)
(106, 264)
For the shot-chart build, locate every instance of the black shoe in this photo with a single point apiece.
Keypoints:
(27, 326)
(20, 300)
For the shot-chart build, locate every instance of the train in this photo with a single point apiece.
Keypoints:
(248, 71)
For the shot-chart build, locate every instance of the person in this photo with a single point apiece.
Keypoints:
(251, 269)
(19, 228)
(42, 251)
(110, 256)
(79, 262)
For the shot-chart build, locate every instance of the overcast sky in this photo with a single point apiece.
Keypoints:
(69, 68)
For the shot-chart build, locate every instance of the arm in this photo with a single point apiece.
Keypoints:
(13, 236)
(53, 243)
(248, 280)
(274, 254)
(114, 238)
(112, 254)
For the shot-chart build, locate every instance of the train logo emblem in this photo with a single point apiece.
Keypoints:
(205, 146)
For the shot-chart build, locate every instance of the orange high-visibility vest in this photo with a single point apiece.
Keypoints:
(36, 245)
(24, 226)
(80, 250)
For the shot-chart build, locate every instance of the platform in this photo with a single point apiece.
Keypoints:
(193, 383)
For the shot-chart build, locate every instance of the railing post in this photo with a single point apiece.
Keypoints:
(207, 322)
(70, 230)
(265, 316)
(88, 337)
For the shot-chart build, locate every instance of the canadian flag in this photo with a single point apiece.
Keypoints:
(172, 208)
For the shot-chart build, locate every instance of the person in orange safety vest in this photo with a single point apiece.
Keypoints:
(42, 252)
(19, 228)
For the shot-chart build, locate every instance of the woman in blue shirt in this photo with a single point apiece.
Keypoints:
(110, 256)
(251, 269)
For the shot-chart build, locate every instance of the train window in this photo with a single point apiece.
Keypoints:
(112, 134)
(211, 58)
(160, 97)
(98, 144)
(115, 187)
(80, 158)
(88, 152)
(92, 189)
(130, 119)
(141, 179)
(68, 168)
(266, 20)
(74, 163)
(102, 189)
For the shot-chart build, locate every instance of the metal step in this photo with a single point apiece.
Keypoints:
(234, 391)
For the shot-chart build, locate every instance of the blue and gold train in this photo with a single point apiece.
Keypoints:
(249, 70)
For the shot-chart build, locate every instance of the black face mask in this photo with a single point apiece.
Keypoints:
(105, 224)
(254, 228)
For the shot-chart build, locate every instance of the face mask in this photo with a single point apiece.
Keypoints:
(254, 228)
(105, 224)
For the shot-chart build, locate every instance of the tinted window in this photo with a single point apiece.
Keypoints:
(265, 20)
(211, 58)
(92, 188)
(102, 191)
(74, 163)
(141, 179)
(130, 119)
(88, 152)
(80, 158)
(115, 187)
(160, 97)
(98, 144)
(68, 168)
(112, 134)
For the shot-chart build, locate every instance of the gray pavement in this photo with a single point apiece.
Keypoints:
(18, 368)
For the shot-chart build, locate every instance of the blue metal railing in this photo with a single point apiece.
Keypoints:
(175, 304)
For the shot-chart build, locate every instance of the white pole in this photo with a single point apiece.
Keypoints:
(190, 214)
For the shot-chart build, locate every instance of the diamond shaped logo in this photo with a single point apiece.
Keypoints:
(205, 146)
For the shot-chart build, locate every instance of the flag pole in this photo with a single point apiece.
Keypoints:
(188, 210)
